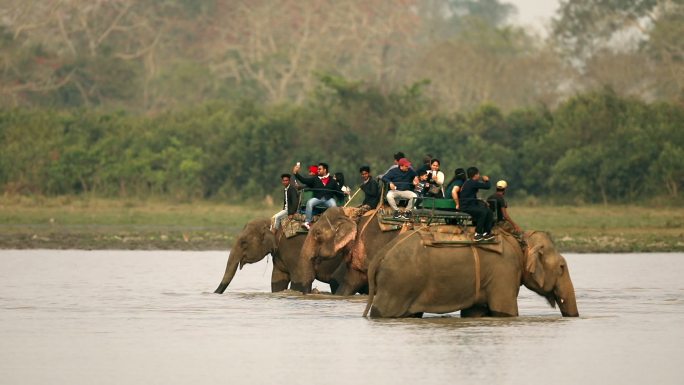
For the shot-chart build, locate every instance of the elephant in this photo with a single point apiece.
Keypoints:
(409, 278)
(336, 235)
(256, 241)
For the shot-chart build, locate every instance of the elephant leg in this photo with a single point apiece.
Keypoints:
(353, 281)
(279, 280)
(503, 302)
(500, 314)
(337, 278)
(334, 286)
(487, 311)
(504, 308)
(476, 311)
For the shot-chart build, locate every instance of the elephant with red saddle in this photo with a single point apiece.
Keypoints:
(337, 235)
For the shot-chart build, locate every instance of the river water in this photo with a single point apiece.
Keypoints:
(150, 317)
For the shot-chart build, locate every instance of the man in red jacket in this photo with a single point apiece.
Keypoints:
(325, 190)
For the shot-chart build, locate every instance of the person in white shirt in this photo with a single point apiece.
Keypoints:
(436, 177)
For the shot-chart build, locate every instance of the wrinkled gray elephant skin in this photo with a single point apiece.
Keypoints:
(256, 241)
(409, 279)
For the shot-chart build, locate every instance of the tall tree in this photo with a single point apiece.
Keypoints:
(611, 38)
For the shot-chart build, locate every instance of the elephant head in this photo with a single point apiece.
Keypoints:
(547, 274)
(333, 232)
(254, 243)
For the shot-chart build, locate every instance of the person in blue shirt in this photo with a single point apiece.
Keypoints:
(401, 181)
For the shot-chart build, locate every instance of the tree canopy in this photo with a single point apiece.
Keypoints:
(214, 99)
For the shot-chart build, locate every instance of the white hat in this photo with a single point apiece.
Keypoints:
(501, 185)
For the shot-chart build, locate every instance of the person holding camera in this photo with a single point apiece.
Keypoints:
(436, 180)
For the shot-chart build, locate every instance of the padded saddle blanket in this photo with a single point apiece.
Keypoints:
(453, 236)
(291, 226)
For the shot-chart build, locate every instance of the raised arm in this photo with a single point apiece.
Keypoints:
(306, 180)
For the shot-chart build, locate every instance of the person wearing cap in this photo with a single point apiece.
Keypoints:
(397, 156)
(498, 201)
(325, 190)
(401, 181)
(468, 203)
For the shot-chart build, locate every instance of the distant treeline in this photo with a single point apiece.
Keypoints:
(594, 147)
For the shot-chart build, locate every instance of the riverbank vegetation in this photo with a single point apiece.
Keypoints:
(73, 222)
(594, 148)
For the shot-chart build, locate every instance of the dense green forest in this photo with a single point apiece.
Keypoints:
(595, 147)
(214, 99)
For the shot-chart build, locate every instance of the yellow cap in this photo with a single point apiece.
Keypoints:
(501, 184)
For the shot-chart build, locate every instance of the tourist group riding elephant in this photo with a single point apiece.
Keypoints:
(410, 278)
(256, 241)
(336, 235)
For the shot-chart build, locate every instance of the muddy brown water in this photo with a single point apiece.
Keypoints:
(150, 317)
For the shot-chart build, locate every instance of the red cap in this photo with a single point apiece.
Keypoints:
(404, 162)
(313, 169)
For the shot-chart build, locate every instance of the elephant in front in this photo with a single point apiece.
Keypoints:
(410, 278)
(256, 241)
(336, 235)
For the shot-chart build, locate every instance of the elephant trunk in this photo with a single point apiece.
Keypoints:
(231, 268)
(303, 276)
(565, 297)
(568, 304)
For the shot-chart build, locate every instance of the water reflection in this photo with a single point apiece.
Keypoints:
(112, 317)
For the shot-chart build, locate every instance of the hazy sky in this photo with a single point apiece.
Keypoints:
(534, 12)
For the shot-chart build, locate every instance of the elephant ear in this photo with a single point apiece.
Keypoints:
(345, 235)
(533, 264)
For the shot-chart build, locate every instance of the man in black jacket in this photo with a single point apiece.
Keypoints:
(325, 190)
(468, 202)
(370, 188)
(290, 201)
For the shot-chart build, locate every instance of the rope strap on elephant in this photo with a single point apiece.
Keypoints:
(476, 257)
